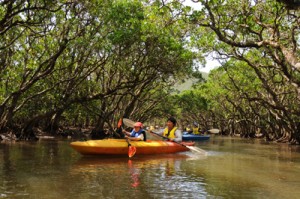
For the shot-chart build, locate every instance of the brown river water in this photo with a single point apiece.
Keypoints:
(232, 168)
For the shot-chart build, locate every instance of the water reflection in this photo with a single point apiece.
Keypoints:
(232, 168)
(257, 168)
(133, 166)
(148, 176)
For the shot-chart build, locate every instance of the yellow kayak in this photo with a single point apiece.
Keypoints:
(120, 147)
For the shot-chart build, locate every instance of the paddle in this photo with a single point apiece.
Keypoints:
(131, 149)
(192, 148)
(214, 131)
(130, 123)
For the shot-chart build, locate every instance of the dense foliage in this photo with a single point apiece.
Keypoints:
(88, 63)
(257, 89)
(75, 63)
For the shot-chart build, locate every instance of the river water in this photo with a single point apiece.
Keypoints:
(232, 168)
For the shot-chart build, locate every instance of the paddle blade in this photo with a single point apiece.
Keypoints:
(120, 123)
(131, 151)
(196, 150)
(128, 122)
(215, 131)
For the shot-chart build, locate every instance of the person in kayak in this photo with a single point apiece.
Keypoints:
(196, 129)
(137, 134)
(171, 131)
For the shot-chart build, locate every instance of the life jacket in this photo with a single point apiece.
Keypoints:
(136, 134)
(196, 130)
(170, 134)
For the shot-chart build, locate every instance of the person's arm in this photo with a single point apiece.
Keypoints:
(139, 138)
(128, 134)
(159, 131)
(178, 136)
